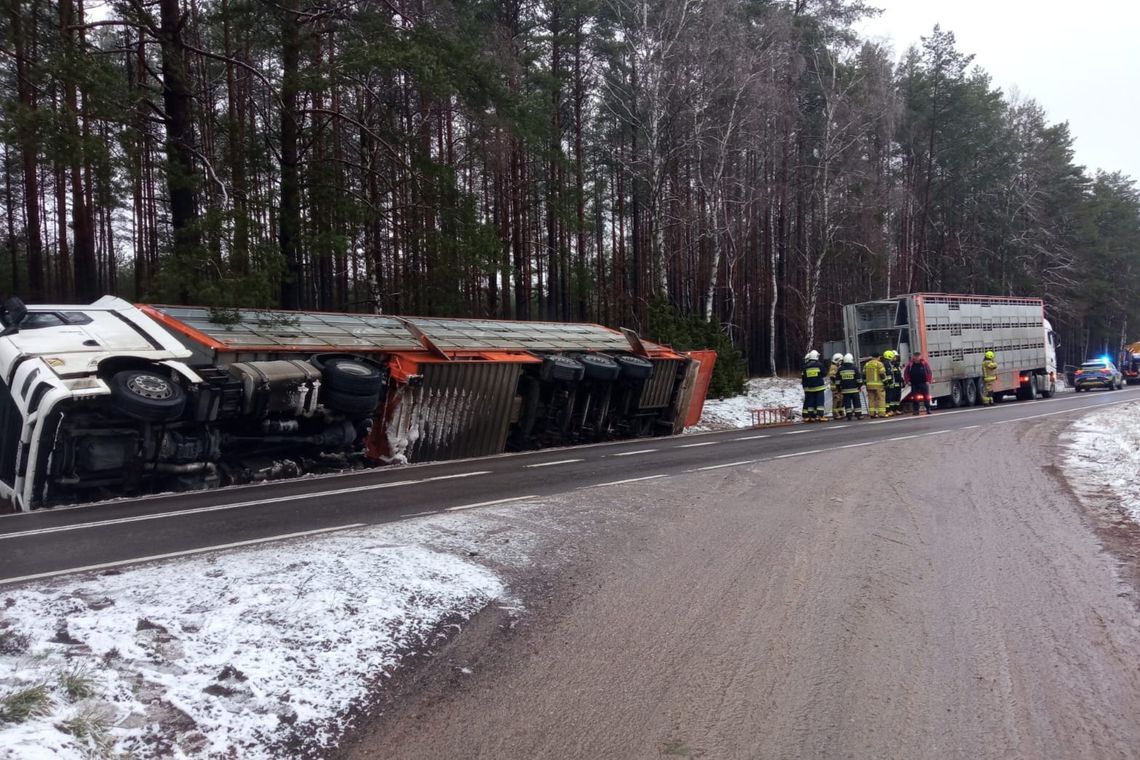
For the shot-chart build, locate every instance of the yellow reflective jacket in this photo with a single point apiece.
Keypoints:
(989, 370)
(874, 373)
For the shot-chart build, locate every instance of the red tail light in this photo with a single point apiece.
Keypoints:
(1079, 372)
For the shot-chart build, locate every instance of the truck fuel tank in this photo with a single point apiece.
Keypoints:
(282, 386)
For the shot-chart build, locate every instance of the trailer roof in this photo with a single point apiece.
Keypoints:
(269, 330)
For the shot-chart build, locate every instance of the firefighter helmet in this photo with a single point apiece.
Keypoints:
(812, 355)
(989, 354)
(848, 358)
(837, 359)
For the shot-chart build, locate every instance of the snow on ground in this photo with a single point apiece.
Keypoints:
(251, 653)
(735, 412)
(1103, 457)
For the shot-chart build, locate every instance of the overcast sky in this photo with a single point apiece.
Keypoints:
(1079, 60)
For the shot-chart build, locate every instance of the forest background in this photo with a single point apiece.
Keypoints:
(725, 172)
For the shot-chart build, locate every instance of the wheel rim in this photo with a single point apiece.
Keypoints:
(150, 386)
(352, 368)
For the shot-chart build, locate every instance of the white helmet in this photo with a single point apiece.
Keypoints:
(812, 355)
(837, 359)
(848, 358)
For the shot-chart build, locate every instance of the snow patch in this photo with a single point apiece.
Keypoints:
(735, 412)
(1103, 456)
(252, 653)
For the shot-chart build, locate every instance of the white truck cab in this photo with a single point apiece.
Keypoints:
(100, 400)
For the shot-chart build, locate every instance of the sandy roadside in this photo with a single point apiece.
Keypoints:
(939, 598)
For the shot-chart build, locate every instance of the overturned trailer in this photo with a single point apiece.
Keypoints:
(114, 399)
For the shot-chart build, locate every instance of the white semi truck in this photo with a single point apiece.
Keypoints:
(954, 332)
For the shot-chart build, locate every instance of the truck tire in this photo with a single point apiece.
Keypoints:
(600, 368)
(1031, 394)
(351, 377)
(971, 391)
(351, 403)
(147, 395)
(634, 368)
(561, 369)
(957, 396)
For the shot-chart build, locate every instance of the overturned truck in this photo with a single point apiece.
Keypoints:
(114, 399)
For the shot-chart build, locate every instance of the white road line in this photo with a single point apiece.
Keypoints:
(695, 445)
(857, 445)
(490, 503)
(452, 477)
(623, 482)
(186, 553)
(235, 505)
(552, 464)
(752, 437)
(800, 454)
(903, 437)
(631, 453)
(720, 466)
(796, 432)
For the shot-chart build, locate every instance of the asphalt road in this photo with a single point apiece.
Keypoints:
(939, 595)
(108, 534)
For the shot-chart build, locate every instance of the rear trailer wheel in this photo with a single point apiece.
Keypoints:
(147, 395)
(972, 395)
(561, 369)
(634, 368)
(957, 396)
(600, 368)
(1031, 394)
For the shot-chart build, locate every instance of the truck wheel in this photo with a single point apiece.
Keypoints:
(971, 388)
(956, 397)
(351, 377)
(600, 368)
(351, 403)
(561, 369)
(634, 368)
(1031, 394)
(147, 395)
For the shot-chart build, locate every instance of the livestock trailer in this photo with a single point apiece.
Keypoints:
(954, 332)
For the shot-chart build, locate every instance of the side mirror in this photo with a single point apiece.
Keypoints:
(12, 313)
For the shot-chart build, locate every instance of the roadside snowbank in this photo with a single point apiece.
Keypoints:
(252, 653)
(1103, 457)
(724, 414)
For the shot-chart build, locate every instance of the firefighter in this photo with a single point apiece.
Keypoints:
(850, 382)
(989, 377)
(814, 379)
(836, 391)
(918, 376)
(875, 376)
(894, 382)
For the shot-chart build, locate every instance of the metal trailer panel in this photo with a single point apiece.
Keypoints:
(705, 362)
(461, 410)
(658, 390)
